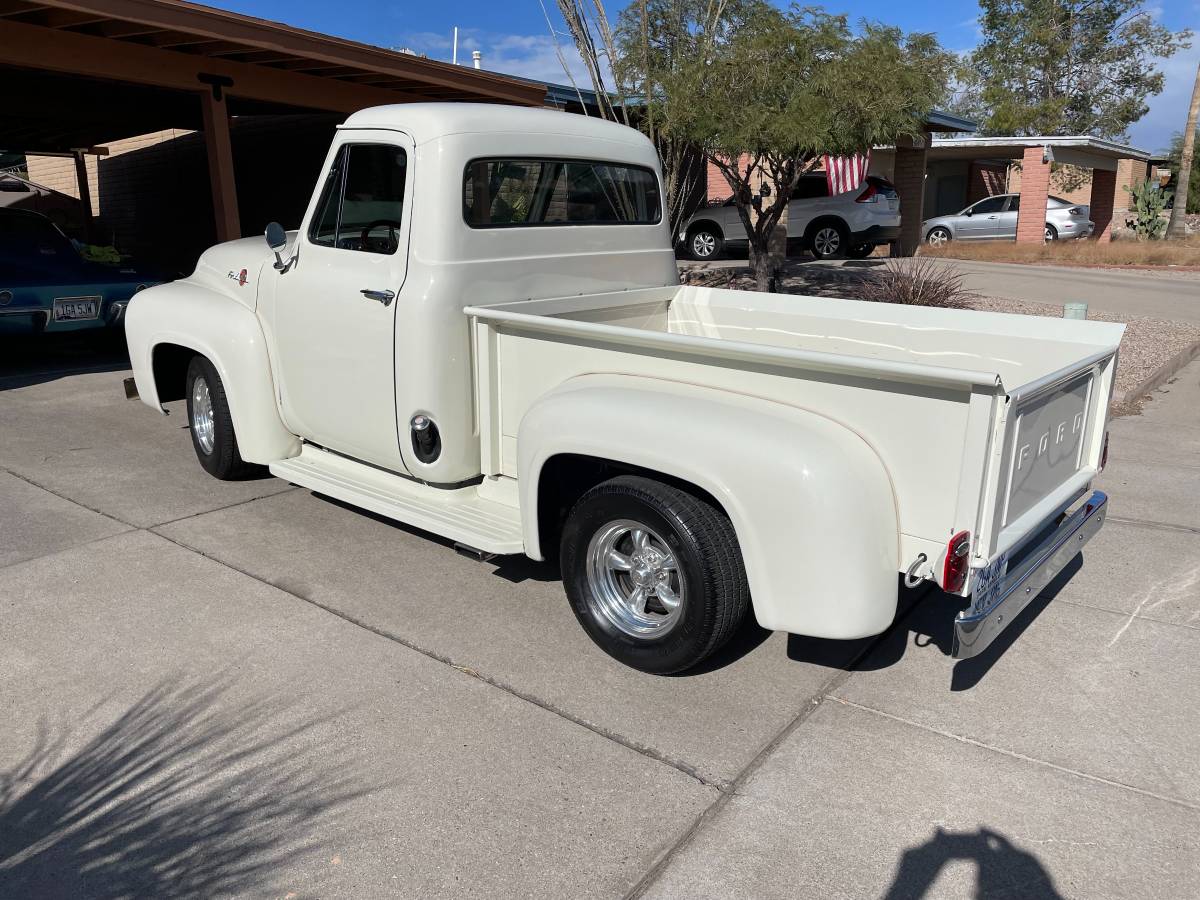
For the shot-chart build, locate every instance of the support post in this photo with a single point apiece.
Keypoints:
(1104, 198)
(85, 192)
(909, 178)
(220, 165)
(1035, 186)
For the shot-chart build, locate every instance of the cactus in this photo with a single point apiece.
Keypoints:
(1149, 202)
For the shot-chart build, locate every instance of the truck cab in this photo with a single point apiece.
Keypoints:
(478, 330)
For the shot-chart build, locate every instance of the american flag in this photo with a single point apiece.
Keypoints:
(845, 173)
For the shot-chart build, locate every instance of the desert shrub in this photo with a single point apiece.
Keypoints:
(915, 281)
(1148, 201)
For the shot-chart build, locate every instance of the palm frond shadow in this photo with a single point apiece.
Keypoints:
(176, 797)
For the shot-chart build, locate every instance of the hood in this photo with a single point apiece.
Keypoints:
(233, 268)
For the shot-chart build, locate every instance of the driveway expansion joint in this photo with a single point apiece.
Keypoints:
(1013, 754)
(719, 785)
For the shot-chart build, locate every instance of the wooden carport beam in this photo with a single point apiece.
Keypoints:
(220, 166)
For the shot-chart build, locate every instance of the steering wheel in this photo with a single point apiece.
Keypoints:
(375, 246)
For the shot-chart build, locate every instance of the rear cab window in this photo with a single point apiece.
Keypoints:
(528, 192)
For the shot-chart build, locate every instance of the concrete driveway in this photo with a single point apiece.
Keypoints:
(213, 688)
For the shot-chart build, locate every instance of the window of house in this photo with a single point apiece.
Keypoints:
(506, 193)
(362, 204)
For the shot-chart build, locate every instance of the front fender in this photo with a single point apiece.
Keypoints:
(810, 500)
(229, 334)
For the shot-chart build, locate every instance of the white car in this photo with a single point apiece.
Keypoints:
(849, 224)
(995, 219)
(521, 372)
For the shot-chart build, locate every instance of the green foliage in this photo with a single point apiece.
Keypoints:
(764, 93)
(1174, 154)
(1065, 66)
(1149, 203)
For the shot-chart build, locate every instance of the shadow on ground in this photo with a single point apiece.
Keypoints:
(37, 358)
(1001, 868)
(930, 621)
(175, 798)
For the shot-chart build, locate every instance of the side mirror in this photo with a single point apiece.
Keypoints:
(968, 212)
(277, 241)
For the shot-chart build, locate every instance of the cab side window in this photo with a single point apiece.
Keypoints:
(362, 203)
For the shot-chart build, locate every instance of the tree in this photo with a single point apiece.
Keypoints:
(764, 100)
(1187, 167)
(1065, 67)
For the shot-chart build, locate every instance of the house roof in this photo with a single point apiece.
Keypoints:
(1013, 147)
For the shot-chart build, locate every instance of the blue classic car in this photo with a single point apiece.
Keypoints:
(45, 285)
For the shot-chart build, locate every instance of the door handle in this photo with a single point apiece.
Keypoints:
(990, 217)
(384, 297)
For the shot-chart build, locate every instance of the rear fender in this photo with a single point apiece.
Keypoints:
(811, 502)
(228, 333)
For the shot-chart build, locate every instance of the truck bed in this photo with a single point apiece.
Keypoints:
(919, 384)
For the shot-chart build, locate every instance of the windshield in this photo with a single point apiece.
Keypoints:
(35, 240)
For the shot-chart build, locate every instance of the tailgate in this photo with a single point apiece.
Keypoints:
(1053, 433)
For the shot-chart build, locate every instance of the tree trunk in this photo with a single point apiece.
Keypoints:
(762, 264)
(1178, 226)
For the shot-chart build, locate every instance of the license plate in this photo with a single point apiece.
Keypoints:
(987, 582)
(70, 308)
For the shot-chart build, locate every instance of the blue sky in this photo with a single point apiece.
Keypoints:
(513, 36)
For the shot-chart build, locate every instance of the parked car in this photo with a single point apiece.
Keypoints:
(46, 285)
(850, 224)
(995, 219)
(523, 373)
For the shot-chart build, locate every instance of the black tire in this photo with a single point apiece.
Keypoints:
(938, 237)
(704, 243)
(1051, 232)
(827, 239)
(714, 591)
(860, 251)
(222, 460)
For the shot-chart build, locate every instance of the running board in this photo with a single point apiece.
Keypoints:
(459, 514)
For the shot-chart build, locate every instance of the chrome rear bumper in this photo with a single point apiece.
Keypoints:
(978, 625)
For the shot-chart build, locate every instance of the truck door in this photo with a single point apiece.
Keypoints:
(335, 307)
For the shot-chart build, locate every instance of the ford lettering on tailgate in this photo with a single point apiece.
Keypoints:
(1048, 448)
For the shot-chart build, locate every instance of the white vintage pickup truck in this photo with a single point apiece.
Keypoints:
(479, 330)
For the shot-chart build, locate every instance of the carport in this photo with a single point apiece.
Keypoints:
(78, 73)
(1036, 156)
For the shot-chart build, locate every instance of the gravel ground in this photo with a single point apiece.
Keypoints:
(1148, 343)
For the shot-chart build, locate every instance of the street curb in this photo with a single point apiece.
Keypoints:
(1163, 374)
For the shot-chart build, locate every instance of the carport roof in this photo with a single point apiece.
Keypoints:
(139, 53)
(1015, 147)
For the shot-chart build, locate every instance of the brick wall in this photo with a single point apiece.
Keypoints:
(909, 179)
(152, 191)
(1035, 185)
(985, 180)
(1102, 200)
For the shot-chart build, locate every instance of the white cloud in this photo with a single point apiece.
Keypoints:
(1168, 111)
(527, 55)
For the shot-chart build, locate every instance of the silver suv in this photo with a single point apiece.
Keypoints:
(995, 219)
(850, 224)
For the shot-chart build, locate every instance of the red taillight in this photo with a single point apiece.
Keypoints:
(1104, 452)
(958, 563)
(868, 196)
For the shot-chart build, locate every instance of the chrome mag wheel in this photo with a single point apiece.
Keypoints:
(633, 579)
(202, 415)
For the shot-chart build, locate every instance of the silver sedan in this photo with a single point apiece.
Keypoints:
(995, 219)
